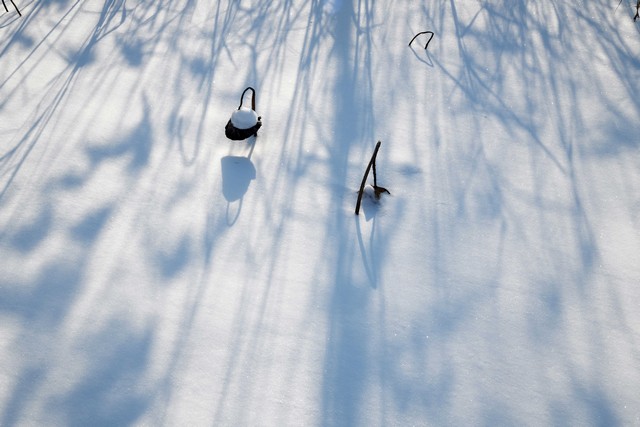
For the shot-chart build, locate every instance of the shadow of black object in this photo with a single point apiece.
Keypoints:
(370, 204)
(427, 57)
(237, 174)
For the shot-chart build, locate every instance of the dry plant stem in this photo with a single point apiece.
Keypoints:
(637, 15)
(17, 10)
(423, 32)
(372, 162)
(14, 5)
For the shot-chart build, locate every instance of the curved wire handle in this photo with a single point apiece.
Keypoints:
(253, 98)
(423, 32)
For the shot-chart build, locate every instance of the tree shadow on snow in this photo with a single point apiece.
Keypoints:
(106, 388)
(513, 65)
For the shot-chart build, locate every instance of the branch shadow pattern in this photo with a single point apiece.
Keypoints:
(111, 381)
(354, 352)
(515, 67)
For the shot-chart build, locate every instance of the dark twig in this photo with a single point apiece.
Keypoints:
(14, 5)
(364, 178)
(377, 190)
(637, 15)
(17, 10)
(423, 32)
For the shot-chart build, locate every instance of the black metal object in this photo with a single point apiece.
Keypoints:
(237, 134)
(423, 32)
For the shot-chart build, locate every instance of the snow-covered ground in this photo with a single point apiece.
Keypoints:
(153, 272)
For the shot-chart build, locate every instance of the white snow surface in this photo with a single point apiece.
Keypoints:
(244, 118)
(153, 272)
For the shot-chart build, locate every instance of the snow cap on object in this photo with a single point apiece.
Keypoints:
(244, 118)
